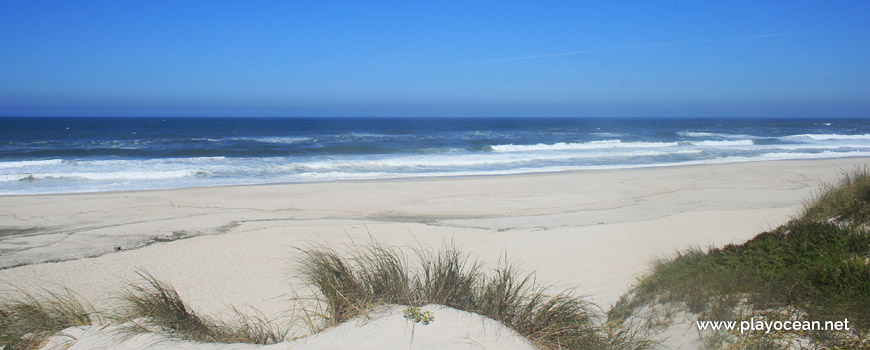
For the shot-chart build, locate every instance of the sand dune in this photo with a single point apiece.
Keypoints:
(382, 330)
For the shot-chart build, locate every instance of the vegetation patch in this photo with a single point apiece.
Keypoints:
(375, 274)
(814, 268)
(28, 320)
(154, 305)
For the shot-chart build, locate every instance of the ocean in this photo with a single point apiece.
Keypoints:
(78, 154)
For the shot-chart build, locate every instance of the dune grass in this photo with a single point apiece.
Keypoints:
(815, 267)
(27, 320)
(155, 303)
(377, 274)
(348, 287)
(846, 202)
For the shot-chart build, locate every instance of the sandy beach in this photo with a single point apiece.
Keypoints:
(594, 231)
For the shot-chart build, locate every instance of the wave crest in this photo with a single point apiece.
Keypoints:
(24, 163)
(828, 137)
(118, 175)
(561, 146)
(722, 143)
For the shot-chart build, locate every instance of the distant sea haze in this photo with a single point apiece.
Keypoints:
(69, 155)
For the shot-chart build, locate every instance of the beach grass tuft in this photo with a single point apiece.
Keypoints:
(154, 305)
(448, 277)
(28, 320)
(845, 202)
(376, 274)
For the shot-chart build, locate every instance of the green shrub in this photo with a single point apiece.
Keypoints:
(818, 263)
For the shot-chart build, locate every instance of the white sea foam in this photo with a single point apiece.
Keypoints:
(146, 163)
(29, 163)
(13, 177)
(827, 137)
(581, 146)
(738, 159)
(339, 175)
(275, 139)
(782, 156)
(469, 160)
(607, 134)
(802, 155)
(699, 134)
(722, 143)
(796, 147)
(695, 134)
(118, 175)
(345, 175)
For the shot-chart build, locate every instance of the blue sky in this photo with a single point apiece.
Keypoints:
(438, 58)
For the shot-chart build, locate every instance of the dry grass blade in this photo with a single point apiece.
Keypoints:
(377, 274)
(252, 328)
(29, 320)
(383, 275)
(342, 294)
(160, 305)
(447, 277)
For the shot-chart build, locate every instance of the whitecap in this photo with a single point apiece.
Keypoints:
(24, 163)
(581, 146)
(827, 137)
(722, 143)
(118, 175)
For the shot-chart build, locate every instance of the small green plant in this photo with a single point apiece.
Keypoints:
(416, 315)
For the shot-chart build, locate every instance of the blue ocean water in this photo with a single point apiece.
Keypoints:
(67, 155)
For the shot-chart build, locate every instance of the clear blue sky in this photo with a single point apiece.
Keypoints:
(436, 58)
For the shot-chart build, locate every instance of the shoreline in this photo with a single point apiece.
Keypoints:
(696, 163)
(596, 230)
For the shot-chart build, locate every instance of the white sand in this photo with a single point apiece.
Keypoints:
(596, 231)
(385, 329)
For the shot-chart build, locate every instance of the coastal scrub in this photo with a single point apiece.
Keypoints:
(814, 268)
